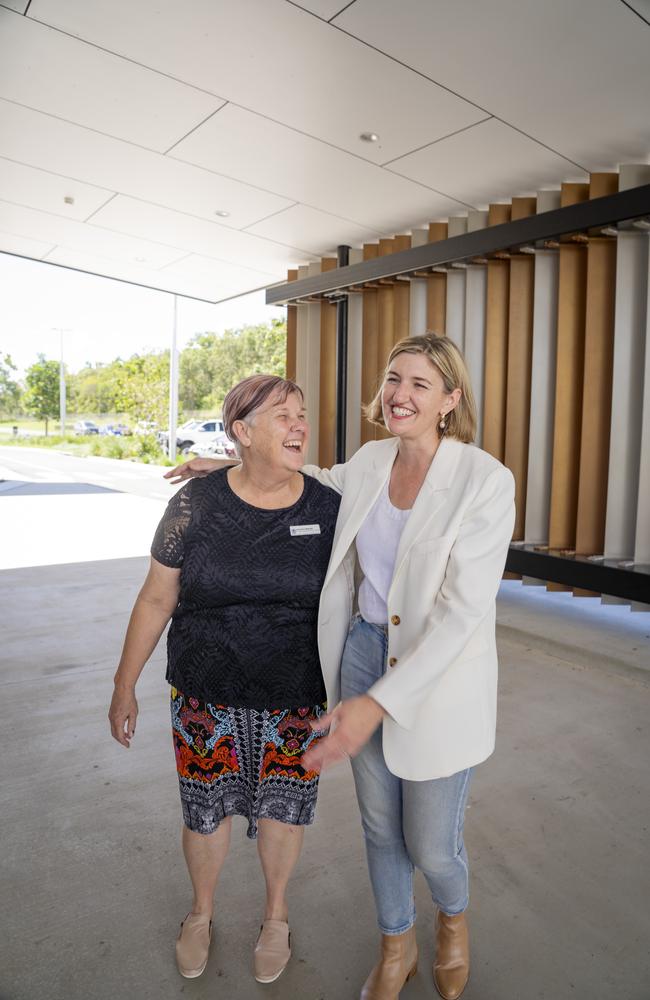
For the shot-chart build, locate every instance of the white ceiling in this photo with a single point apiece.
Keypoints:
(151, 117)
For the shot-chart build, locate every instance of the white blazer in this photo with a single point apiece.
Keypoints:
(440, 694)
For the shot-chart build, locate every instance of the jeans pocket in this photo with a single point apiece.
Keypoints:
(354, 620)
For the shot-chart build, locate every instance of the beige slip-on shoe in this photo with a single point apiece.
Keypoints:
(193, 945)
(272, 950)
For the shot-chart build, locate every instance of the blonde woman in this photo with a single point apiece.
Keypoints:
(427, 518)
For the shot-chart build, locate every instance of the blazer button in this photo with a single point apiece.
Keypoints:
(392, 661)
(395, 620)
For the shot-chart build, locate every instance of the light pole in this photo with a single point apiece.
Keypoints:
(173, 386)
(61, 331)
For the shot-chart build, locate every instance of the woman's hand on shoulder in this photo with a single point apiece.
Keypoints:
(122, 715)
(352, 723)
(198, 467)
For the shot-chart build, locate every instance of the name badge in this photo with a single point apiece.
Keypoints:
(305, 529)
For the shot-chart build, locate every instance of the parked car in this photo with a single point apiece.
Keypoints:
(163, 436)
(193, 435)
(115, 430)
(83, 427)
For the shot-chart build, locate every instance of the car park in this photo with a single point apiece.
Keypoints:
(220, 447)
(83, 427)
(194, 436)
(145, 427)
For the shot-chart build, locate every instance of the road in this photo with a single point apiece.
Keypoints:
(58, 508)
(44, 465)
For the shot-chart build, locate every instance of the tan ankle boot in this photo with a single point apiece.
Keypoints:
(397, 963)
(451, 965)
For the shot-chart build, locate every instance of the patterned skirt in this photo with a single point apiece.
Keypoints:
(243, 762)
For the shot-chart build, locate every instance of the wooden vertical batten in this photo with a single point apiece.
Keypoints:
(496, 345)
(597, 382)
(519, 367)
(437, 287)
(567, 426)
(369, 348)
(402, 304)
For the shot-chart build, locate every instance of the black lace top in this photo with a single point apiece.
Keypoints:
(244, 633)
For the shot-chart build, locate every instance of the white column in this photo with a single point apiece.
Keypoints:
(630, 319)
(627, 393)
(173, 384)
(542, 388)
(418, 297)
(475, 305)
(62, 399)
(542, 397)
(456, 279)
(355, 324)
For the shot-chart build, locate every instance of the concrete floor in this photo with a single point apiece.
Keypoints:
(94, 885)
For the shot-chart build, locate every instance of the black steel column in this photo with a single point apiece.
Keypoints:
(343, 256)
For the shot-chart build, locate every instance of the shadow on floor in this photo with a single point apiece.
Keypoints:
(18, 487)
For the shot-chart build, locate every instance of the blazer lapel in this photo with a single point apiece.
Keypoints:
(371, 486)
(434, 493)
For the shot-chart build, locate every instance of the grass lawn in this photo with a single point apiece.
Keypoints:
(135, 447)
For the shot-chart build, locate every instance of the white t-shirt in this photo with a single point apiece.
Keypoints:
(377, 543)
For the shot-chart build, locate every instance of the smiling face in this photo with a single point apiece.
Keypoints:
(413, 397)
(275, 434)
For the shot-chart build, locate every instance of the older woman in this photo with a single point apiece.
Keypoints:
(238, 562)
(427, 517)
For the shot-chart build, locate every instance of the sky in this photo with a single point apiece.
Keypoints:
(101, 319)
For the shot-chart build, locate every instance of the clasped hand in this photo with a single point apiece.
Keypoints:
(351, 725)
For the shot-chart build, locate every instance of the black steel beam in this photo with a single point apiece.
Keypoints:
(597, 213)
(604, 576)
(343, 256)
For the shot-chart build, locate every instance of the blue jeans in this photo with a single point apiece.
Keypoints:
(406, 824)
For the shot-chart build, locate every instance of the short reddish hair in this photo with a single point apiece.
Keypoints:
(251, 393)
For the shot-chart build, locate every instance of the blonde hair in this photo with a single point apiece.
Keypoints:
(443, 354)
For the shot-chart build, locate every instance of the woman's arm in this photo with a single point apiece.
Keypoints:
(152, 610)
(198, 467)
(334, 477)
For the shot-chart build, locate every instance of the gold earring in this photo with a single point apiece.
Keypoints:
(443, 424)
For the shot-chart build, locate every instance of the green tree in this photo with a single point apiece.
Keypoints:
(42, 394)
(196, 375)
(213, 363)
(10, 391)
(142, 386)
(93, 389)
